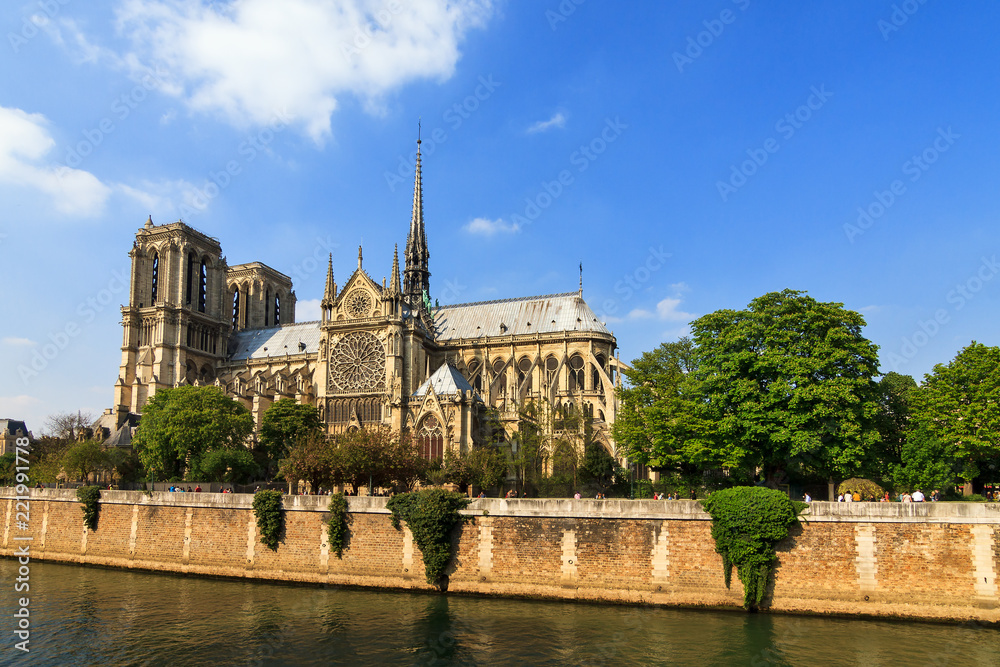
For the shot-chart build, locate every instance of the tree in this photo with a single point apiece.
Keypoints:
(311, 459)
(68, 425)
(487, 466)
(789, 382)
(926, 463)
(661, 422)
(528, 449)
(234, 466)
(83, 458)
(959, 406)
(376, 457)
(180, 425)
(893, 419)
(282, 425)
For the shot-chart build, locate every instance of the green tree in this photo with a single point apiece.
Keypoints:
(529, 451)
(180, 425)
(282, 425)
(926, 463)
(893, 419)
(376, 457)
(312, 459)
(124, 464)
(7, 472)
(959, 405)
(83, 458)
(234, 466)
(789, 382)
(662, 421)
(487, 466)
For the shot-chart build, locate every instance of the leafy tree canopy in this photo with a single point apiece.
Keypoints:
(959, 405)
(789, 381)
(180, 425)
(282, 425)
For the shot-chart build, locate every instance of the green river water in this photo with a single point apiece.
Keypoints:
(92, 616)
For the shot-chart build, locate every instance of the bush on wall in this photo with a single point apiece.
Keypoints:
(89, 496)
(747, 523)
(431, 515)
(337, 525)
(270, 516)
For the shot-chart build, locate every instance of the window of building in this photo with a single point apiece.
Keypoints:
(202, 287)
(156, 278)
(431, 438)
(524, 373)
(576, 373)
(551, 364)
(189, 278)
(236, 308)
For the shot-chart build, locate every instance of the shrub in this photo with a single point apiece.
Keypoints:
(864, 487)
(336, 529)
(747, 522)
(270, 516)
(431, 515)
(89, 496)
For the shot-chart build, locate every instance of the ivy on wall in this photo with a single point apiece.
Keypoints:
(270, 516)
(747, 523)
(431, 515)
(89, 496)
(336, 530)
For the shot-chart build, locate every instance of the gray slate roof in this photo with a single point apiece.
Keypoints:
(446, 381)
(553, 313)
(250, 343)
(12, 426)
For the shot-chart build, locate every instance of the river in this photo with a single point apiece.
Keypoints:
(92, 616)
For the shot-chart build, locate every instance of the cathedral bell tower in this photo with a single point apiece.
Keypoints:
(176, 323)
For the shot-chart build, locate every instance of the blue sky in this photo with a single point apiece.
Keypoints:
(692, 155)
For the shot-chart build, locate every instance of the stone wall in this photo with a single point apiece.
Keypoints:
(930, 560)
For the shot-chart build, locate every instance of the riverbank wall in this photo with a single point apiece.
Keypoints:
(930, 561)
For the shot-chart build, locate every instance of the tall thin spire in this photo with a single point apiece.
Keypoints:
(394, 281)
(330, 293)
(581, 278)
(416, 276)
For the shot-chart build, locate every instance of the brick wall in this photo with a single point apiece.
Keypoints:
(933, 561)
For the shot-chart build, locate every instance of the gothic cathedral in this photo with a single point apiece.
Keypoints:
(380, 354)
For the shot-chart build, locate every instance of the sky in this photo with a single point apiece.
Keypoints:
(692, 156)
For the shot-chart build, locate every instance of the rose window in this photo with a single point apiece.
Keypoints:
(359, 303)
(357, 363)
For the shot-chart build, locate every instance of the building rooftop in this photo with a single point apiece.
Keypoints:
(552, 313)
(446, 380)
(298, 338)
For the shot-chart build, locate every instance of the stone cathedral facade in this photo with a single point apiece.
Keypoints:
(381, 354)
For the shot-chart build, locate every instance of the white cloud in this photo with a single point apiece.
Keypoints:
(487, 227)
(24, 144)
(252, 59)
(307, 310)
(10, 406)
(667, 310)
(557, 120)
(18, 342)
(639, 314)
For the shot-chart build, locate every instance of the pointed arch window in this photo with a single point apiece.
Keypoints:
(551, 364)
(189, 278)
(202, 287)
(431, 438)
(277, 309)
(524, 373)
(576, 374)
(154, 287)
(267, 308)
(236, 308)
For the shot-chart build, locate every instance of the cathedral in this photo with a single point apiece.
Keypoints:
(381, 354)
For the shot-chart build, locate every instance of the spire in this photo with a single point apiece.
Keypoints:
(416, 276)
(359, 258)
(149, 221)
(394, 280)
(330, 293)
(581, 278)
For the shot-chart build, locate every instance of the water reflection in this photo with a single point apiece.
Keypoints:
(83, 616)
